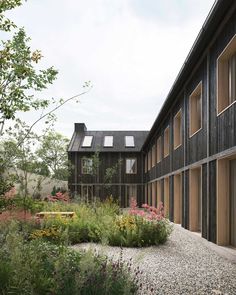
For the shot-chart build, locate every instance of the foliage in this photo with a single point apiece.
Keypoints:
(18, 77)
(103, 223)
(39, 267)
(53, 151)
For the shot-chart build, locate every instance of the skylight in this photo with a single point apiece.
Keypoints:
(108, 141)
(87, 141)
(129, 141)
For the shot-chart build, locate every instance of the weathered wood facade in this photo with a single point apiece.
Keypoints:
(95, 185)
(187, 160)
(204, 159)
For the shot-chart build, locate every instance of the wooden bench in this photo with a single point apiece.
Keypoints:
(55, 214)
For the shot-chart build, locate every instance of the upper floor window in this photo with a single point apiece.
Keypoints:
(159, 150)
(178, 129)
(87, 142)
(149, 159)
(129, 141)
(195, 110)
(131, 166)
(226, 76)
(153, 155)
(146, 163)
(167, 142)
(87, 166)
(108, 141)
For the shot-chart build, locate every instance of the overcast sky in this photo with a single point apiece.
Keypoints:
(131, 50)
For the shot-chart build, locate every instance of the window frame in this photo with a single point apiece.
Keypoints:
(126, 160)
(104, 141)
(224, 57)
(178, 114)
(87, 146)
(167, 129)
(129, 146)
(85, 168)
(191, 97)
(158, 150)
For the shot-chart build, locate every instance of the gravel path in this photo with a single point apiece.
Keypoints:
(186, 264)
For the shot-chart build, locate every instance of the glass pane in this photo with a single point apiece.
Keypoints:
(129, 141)
(108, 141)
(87, 141)
(130, 166)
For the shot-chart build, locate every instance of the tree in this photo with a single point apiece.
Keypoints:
(53, 151)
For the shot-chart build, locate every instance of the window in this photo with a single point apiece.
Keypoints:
(226, 76)
(178, 129)
(108, 141)
(159, 150)
(195, 110)
(145, 163)
(129, 141)
(87, 142)
(166, 142)
(149, 160)
(131, 166)
(153, 155)
(131, 193)
(87, 166)
(87, 193)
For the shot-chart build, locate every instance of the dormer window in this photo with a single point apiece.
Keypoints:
(87, 141)
(108, 141)
(129, 141)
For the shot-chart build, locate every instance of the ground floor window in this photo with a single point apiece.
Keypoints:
(131, 192)
(87, 193)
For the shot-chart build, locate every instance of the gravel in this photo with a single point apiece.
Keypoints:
(185, 264)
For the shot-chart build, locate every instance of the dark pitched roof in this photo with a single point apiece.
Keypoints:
(98, 141)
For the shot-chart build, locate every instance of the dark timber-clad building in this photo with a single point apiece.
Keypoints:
(188, 159)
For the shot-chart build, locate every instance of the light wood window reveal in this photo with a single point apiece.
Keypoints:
(195, 199)
(158, 192)
(145, 163)
(178, 198)
(154, 194)
(226, 76)
(166, 196)
(149, 194)
(167, 142)
(149, 160)
(153, 155)
(158, 146)
(178, 129)
(195, 110)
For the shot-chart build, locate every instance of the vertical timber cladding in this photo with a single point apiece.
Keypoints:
(171, 198)
(223, 126)
(196, 144)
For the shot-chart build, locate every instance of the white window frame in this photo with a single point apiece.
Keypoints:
(126, 138)
(85, 168)
(127, 171)
(110, 141)
(88, 138)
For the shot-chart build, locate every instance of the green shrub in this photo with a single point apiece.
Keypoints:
(39, 267)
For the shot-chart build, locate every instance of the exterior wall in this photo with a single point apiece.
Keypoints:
(118, 186)
(215, 140)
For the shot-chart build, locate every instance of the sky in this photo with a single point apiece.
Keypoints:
(131, 51)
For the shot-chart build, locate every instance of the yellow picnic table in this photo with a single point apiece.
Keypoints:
(55, 213)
